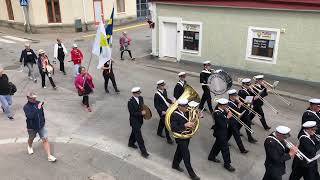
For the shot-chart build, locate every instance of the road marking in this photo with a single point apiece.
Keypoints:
(7, 41)
(120, 29)
(15, 38)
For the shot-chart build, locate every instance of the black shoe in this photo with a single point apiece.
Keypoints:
(117, 90)
(252, 140)
(214, 160)
(145, 155)
(11, 118)
(204, 109)
(160, 135)
(169, 141)
(195, 177)
(178, 168)
(252, 123)
(244, 151)
(133, 146)
(107, 91)
(122, 59)
(64, 73)
(2, 109)
(267, 128)
(241, 134)
(229, 168)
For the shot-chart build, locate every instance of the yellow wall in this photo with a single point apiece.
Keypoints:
(17, 11)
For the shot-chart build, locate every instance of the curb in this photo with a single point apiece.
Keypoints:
(195, 74)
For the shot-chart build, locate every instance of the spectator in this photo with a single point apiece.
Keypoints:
(5, 97)
(28, 58)
(84, 85)
(36, 124)
(76, 57)
(45, 69)
(59, 53)
(124, 45)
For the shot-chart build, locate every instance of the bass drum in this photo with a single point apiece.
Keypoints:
(148, 114)
(219, 82)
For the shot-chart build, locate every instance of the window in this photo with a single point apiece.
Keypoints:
(191, 37)
(9, 10)
(53, 11)
(121, 6)
(262, 44)
(142, 8)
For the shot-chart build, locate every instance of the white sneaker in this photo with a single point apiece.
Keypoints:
(44, 87)
(52, 158)
(30, 77)
(30, 150)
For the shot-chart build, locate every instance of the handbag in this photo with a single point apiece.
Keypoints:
(13, 88)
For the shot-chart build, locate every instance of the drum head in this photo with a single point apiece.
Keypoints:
(148, 114)
(219, 82)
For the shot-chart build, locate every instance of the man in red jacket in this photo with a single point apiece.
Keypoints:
(76, 57)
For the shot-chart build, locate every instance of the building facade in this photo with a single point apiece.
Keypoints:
(61, 14)
(277, 37)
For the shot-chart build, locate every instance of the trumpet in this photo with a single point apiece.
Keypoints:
(237, 116)
(253, 87)
(272, 88)
(248, 107)
(299, 154)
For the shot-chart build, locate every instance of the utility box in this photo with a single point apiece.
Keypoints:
(78, 25)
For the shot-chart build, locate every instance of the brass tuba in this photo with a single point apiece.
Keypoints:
(190, 94)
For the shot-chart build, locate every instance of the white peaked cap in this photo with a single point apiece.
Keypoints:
(259, 76)
(74, 45)
(182, 101)
(246, 80)
(314, 101)
(283, 129)
(207, 62)
(181, 73)
(193, 104)
(223, 101)
(135, 89)
(309, 124)
(232, 91)
(160, 82)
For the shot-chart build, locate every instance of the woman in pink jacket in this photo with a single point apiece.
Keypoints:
(85, 86)
(124, 45)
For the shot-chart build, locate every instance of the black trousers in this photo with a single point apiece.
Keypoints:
(61, 60)
(129, 51)
(161, 126)
(269, 175)
(106, 81)
(221, 144)
(136, 136)
(308, 173)
(183, 153)
(246, 120)
(206, 97)
(85, 100)
(43, 78)
(233, 130)
(259, 110)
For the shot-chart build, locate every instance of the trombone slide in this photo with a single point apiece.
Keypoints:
(236, 115)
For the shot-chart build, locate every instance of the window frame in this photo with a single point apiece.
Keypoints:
(190, 52)
(94, 12)
(262, 59)
(124, 3)
(53, 12)
(10, 18)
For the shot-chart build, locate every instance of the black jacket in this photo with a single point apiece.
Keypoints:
(4, 85)
(263, 94)
(159, 103)
(178, 121)
(28, 57)
(136, 117)
(178, 89)
(108, 71)
(221, 123)
(35, 117)
(204, 75)
(276, 156)
(309, 147)
(308, 115)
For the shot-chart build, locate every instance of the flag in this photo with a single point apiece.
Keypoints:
(101, 46)
(109, 27)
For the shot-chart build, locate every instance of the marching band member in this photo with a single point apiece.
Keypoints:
(204, 75)
(308, 145)
(243, 93)
(312, 113)
(258, 103)
(135, 104)
(162, 103)
(234, 125)
(179, 88)
(277, 153)
(179, 123)
(222, 117)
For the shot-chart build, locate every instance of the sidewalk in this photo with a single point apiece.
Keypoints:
(296, 89)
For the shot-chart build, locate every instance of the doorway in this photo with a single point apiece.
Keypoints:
(170, 35)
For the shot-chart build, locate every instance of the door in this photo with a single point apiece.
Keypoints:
(98, 11)
(170, 41)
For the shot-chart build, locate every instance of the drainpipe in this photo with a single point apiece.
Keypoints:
(84, 3)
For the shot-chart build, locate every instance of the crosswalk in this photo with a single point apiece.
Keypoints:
(12, 39)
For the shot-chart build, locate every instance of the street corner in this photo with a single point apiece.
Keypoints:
(74, 161)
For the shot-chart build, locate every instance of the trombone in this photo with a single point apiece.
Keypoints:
(237, 116)
(272, 88)
(248, 107)
(253, 87)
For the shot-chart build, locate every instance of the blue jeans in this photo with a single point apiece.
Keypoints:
(6, 101)
(76, 69)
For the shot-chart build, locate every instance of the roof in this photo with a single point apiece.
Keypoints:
(267, 4)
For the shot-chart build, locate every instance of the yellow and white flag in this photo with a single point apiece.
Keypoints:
(101, 47)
